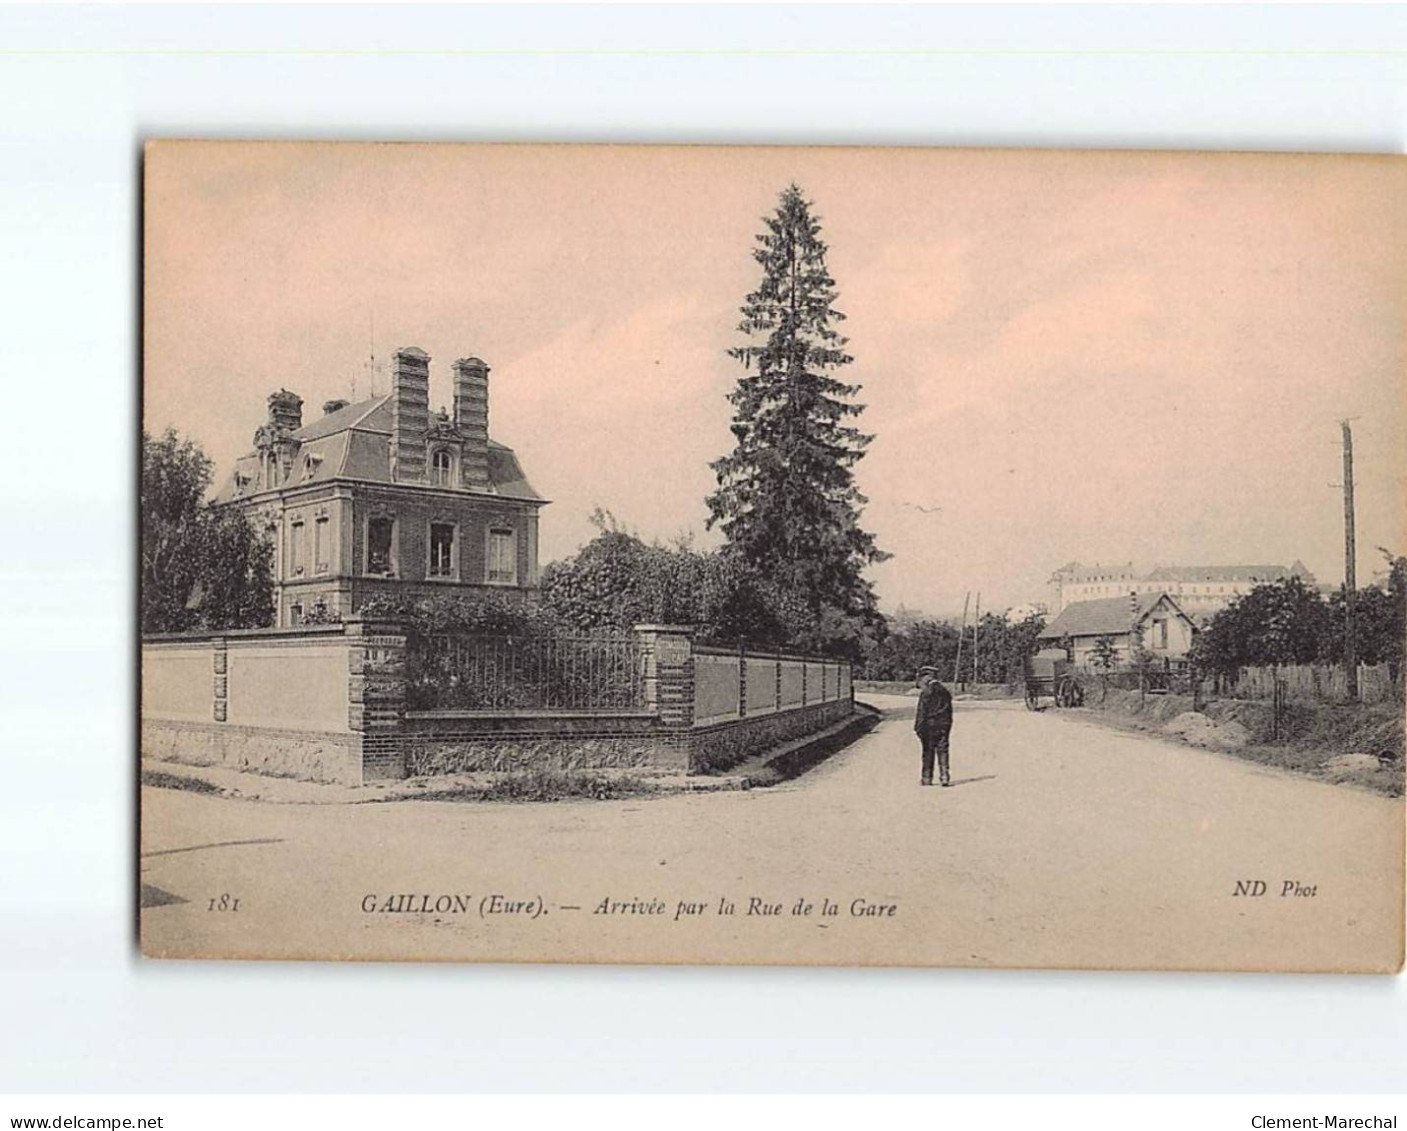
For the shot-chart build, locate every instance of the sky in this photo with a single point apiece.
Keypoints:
(1094, 356)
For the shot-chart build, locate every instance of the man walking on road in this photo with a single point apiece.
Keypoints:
(933, 722)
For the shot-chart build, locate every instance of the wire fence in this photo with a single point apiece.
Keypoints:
(541, 673)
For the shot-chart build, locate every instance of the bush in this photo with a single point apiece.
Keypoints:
(484, 614)
(617, 581)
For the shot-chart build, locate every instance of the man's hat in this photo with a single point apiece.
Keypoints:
(928, 669)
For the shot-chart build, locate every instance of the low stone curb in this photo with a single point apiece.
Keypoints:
(780, 764)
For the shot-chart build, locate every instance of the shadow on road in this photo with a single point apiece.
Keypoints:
(972, 781)
(808, 755)
(153, 896)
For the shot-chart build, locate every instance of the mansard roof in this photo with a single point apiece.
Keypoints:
(370, 415)
(354, 442)
(1226, 573)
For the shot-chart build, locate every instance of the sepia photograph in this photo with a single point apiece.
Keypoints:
(822, 556)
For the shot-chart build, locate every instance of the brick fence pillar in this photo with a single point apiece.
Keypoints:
(742, 680)
(376, 694)
(221, 683)
(667, 653)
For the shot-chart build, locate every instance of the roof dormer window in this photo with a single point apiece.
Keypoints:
(310, 464)
(442, 467)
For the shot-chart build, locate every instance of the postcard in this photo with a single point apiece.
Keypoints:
(767, 555)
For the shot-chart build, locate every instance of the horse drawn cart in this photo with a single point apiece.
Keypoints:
(1050, 675)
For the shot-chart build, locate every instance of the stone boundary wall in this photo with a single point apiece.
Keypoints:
(778, 697)
(719, 747)
(261, 750)
(282, 702)
(450, 742)
(328, 703)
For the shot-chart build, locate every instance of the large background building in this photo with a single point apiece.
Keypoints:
(1200, 591)
(381, 497)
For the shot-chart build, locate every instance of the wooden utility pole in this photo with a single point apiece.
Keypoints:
(957, 661)
(976, 622)
(1350, 573)
(1136, 647)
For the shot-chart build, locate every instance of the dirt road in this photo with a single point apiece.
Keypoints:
(1060, 844)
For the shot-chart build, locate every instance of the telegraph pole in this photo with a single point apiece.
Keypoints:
(976, 622)
(957, 661)
(1350, 573)
(1135, 647)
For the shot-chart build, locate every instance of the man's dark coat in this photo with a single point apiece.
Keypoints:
(934, 715)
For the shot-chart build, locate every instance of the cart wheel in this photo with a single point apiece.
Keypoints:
(1077, 693)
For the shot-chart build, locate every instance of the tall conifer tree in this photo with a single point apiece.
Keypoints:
(786, 498)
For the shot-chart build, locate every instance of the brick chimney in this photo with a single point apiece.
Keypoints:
(471, 417)
(286, 410)
(334, 405)
(410, 414)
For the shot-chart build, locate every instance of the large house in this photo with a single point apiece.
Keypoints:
(1201, 591)
(1154, 619)
(382, 497)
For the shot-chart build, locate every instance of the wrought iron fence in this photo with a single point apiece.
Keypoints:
(485, 673)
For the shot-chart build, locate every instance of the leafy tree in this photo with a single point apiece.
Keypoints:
(617, 581)
(1105, 654)
(201, 568)
(1397, 625)
(1379, 620)
(1005, 646)
(1286, 622)
(912, 643)
(1144, 660)
(786, 499)
(910, 646)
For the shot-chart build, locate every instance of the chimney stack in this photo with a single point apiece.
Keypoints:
(286, 410)
(334, 405)
(410, 414)
(471, 417)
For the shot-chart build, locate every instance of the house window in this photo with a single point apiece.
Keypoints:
(441, 549)
(503, 558)
(380, 536)
(295, 613)
(320, 545)
(1160, 634)
(441, 467)
(295, 549)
